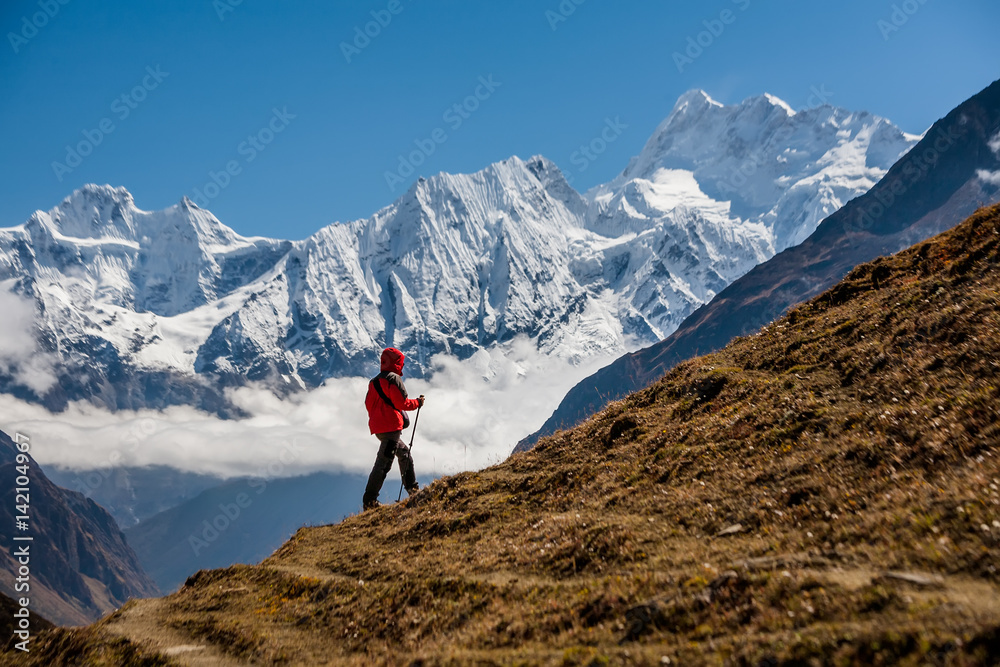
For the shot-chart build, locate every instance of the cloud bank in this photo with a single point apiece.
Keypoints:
(476, 411)
(20, 356)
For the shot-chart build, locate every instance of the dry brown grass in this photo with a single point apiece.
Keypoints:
(853, 440)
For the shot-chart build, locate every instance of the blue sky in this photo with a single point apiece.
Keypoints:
(164, 95)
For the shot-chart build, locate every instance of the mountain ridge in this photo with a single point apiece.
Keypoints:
(81, 567)
(149, 309)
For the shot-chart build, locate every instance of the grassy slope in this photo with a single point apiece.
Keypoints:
(856, 437)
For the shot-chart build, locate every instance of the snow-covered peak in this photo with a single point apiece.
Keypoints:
(778, 102)
(98, 245)
(512, 189)
(92, 194)
(695, 126)
(555, 183)
(537, 172)
(95, 212)
(761, 157)
(692, 101)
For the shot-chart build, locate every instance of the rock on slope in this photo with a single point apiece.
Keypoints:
(944, 178)
(823, 490)
(81, 566)
(148, 309)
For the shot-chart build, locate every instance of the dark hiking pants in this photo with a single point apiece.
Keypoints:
(391, 446)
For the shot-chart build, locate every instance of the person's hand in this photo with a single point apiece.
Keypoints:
(421, 399)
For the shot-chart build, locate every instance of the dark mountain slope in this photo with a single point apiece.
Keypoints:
(826, 491)
(131, 494)
(241, 521)
(81, 566)
(9, 623)
(932, 188)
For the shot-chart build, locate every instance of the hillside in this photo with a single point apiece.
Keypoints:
(80, 565)
(828, 488)
(938, 183)
(9, 622)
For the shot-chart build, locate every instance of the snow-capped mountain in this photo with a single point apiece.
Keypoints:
(718, 189)
(152, 308)
(459, 263)
(943, 180)
(758, 162)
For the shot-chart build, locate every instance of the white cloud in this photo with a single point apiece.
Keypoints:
(476, 412)
(991, 177)
(19, 353)
(986, 176)
(994, 144)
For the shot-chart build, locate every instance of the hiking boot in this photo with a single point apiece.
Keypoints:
(413, 489)
(372, 504)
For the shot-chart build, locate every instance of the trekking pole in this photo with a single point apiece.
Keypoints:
(413, 434)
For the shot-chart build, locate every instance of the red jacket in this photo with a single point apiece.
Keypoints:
(382, 418)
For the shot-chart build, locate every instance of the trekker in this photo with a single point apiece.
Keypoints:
(386, 401)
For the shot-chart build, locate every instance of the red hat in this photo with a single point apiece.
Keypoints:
(392, 360)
